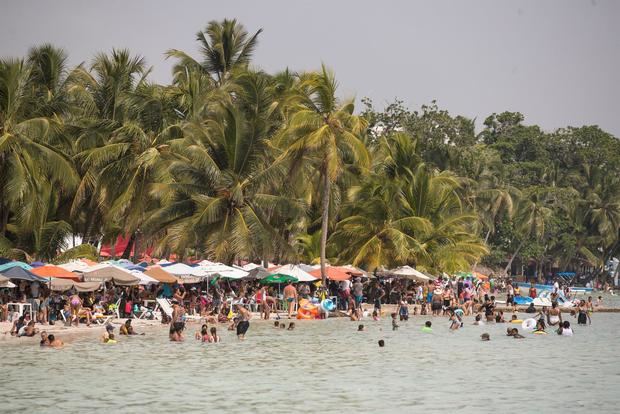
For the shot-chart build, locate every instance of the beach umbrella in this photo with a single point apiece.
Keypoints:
(158, 273)
(296, 272)
(224, 271)
(61, 285)
(55, 271)
(37, 264)
(277, 279)
(409, 272)
(111, 273)
(12, 264)
(333, 273)
(251, 266)
(22, 274)
(181, 269)
(258, 273)
(74, 266)
(6, 283)
(144, 279)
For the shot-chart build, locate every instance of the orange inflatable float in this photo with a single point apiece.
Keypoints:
(307, 310)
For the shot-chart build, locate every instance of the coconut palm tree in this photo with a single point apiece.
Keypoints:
(225, 47)
(328, 132)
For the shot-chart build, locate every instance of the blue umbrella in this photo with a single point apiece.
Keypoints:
(22, 274)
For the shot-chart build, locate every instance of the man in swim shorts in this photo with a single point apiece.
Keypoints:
(358, 292)
(290, 296)
(244, 321)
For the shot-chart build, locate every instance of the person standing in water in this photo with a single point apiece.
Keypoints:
(244, 321)
(554, 315)
(583, 318)
(290, 296)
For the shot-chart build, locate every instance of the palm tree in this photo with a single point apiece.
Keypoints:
(532, 214)
(322, 128)
(225, 47)
(217, 198)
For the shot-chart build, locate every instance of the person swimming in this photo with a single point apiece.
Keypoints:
(291, 326)
(540, 327)
(381, 343)
(485, 337)
(214, 336)
(516, 334)
(361, 328)
(276, 324)
(478, 320)
(427, 327)
(455, 322)
(110, 339)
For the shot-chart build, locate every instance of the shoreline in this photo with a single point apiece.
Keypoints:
(69, 334)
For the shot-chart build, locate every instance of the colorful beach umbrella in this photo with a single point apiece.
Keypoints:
(55, 271)
(278, 278)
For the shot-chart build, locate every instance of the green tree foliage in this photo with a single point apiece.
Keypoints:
(230, 163)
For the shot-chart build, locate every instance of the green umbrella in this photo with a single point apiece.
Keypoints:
(277, 278)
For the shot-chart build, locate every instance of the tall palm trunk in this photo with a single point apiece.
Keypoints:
(324, 225)
(486, 239)
(127, 250)
(509, 265)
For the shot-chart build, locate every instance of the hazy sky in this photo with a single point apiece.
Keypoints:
(558, 62)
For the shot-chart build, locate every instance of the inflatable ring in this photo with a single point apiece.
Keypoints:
(529, 324)
(540, 333)
(328, 305)
(516, 321)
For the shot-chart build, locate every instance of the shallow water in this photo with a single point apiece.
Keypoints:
(324, 366)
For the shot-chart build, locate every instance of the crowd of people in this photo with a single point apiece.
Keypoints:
(233, 302)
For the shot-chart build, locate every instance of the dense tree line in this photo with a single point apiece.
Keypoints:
(229, 162)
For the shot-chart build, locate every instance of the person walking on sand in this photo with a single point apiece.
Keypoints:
(290, 296)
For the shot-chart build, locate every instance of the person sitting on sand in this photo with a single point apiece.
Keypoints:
(55, 342)
(215, 338)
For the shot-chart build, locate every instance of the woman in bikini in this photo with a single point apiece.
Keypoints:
(76, 304)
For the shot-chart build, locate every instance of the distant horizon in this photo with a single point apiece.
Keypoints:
(556, 62)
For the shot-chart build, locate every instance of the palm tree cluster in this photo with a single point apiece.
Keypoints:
(231, 163)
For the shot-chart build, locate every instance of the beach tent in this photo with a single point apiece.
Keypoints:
(158, 273)
(409, 272)
(355, 271)
(9, 265)
(333, 273)
(296, 272)
(22, 274)
(60, 285)
(55, 271)
(110, 273)
(250, 266)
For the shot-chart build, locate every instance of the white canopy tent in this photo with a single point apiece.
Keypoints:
(181, 269)
(222, 270)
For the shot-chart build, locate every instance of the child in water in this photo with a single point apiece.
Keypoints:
(361, 328)
(375, 315)
(394, 322)
(291, 326)
(214, 336)
(427, 327)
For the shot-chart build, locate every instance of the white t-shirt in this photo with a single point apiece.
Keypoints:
(567, 332)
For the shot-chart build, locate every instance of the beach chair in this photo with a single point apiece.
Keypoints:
(102, 319)
(165, 306)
